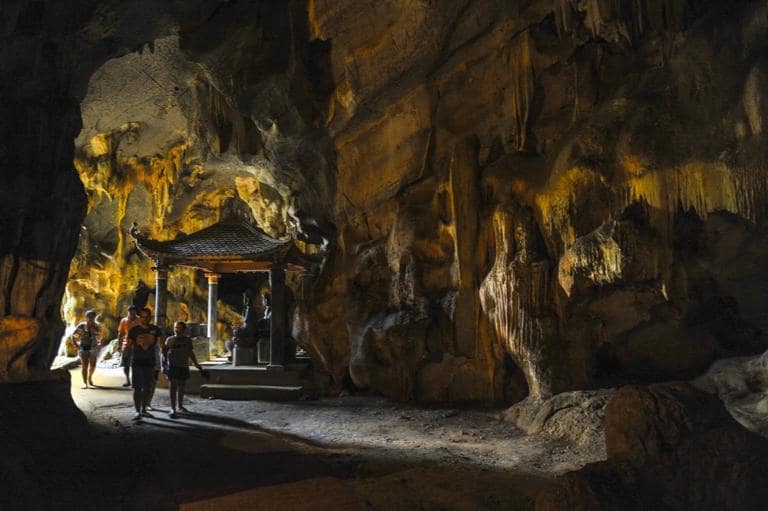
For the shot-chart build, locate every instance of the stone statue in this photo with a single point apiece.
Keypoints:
(245, 335)
(252, 329)
(262, 327)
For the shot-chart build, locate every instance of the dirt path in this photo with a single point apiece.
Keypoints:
(341, 453)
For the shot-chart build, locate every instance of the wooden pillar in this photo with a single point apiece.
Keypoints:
(279, 322)
(213, 313)
(161, 297)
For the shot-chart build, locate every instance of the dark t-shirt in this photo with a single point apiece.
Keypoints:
(179, 350)
(144, 341)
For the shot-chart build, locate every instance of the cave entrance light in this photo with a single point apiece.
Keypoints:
(230, 246)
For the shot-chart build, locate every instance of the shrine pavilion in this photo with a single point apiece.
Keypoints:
(230, 246)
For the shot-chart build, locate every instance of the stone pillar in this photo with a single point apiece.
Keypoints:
(161, 297)
(213, 313)
(279, 322)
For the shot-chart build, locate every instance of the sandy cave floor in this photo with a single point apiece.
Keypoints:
(355, 452)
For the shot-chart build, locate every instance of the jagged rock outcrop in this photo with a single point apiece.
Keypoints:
(575, 417)
(741, 384)
(670, 446)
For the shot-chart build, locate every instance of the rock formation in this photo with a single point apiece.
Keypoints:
(513, 197)
(670, 446)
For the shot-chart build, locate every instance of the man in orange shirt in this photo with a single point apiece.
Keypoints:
(128, 322)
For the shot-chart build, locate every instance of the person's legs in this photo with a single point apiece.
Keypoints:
(152, 386)
(145, 375)
(92, 366)
(137, 393)
(147, 397)
(138, 390)
(173, 385)
(182, 383)
(125, 362)
(84, 357)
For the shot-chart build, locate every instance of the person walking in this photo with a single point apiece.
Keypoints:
(129, 321)
(179, 350)
(144, 340)
(87, 336)
(158, 367)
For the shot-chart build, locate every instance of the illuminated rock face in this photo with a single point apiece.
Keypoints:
(518, 196)
(546, 183)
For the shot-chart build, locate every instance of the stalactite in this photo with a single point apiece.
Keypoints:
(598, 257)
(704, 187)
(627, 19)
(563, 10)
(558, 204)
(521, 63)
(110, 176)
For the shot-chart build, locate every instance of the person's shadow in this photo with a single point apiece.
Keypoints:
(111, 387)
(220, 420)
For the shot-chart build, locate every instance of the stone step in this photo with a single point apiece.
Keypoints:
(253, 375)
(227, 374)
(251, 392)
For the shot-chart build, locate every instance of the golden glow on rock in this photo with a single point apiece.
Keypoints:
(266, 204)
(633, 165)
(18, 334)
(522, 87)
(99, 145)
(557, 203)
(314, 25)
(598, 257)
(105, 281)
(704, 187)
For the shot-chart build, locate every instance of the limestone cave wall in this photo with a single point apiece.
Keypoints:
(513, 196)
(572, 190)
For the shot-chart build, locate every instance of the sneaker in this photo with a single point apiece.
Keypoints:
(172, 414)
(151, 409)
(183, 409)
(127, 384)
(146, 414)
(137, 416)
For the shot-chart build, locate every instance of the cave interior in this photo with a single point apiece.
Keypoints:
(527, 244)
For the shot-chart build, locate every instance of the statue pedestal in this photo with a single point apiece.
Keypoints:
(244, 356)
(263, 349)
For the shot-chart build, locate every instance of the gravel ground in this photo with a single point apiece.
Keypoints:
(371, 450)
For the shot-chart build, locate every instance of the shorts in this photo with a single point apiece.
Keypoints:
(178, 373)
(143, 377)
(89, 354)
(125, 357)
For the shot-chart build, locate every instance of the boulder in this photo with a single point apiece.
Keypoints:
(576, 417)
(661, 351)
(670, 446)
(742, 384)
